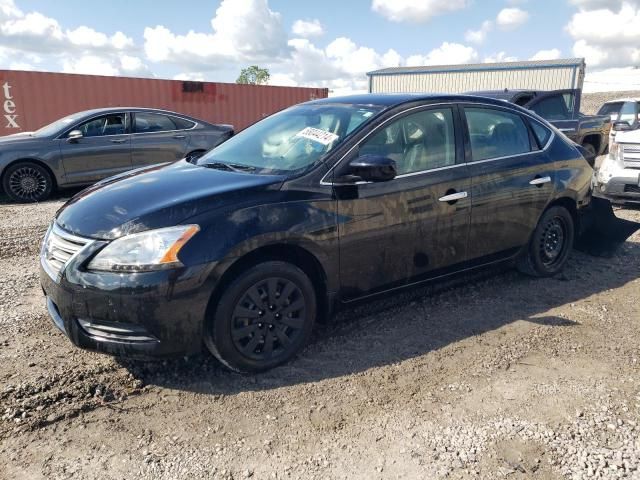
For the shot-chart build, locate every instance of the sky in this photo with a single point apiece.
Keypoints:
(330, 44)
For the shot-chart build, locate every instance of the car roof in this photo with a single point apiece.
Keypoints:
(389, 100)
(623, 100)
(98, 111)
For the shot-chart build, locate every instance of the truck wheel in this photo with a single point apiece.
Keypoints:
(263, 318)
(550, 245)
(27, 182)
(590, 149)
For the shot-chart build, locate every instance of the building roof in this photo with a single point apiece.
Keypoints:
(475, 67)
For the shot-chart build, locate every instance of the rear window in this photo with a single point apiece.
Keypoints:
(182, 123)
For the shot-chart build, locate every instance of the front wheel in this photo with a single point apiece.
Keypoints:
(550, 244)
(27, 182)
(263, 318)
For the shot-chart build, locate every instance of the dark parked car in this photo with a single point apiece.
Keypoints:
(88, 146)
(561, 108)
(322, 204)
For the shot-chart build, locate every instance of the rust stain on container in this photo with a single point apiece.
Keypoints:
(31, 100)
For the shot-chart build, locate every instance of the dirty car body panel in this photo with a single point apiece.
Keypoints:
(358, 238)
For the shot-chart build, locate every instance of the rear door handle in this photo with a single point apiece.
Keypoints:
(179, 137)
(539, 181)
(119, 140)
(452, 198)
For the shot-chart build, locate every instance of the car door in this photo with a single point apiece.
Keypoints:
(560, 107)
(512, 179)
(415, 226)
(157, 138)
(104, 149)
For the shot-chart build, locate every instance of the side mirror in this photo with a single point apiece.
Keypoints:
(622, 126)
(74, 135)
(373, 168)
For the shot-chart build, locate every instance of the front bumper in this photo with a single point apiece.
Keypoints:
(154, 314)
(616, 183)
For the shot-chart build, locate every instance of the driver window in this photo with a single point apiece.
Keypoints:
(421, 141)
(107, 125)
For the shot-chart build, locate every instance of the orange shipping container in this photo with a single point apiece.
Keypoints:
(31, 100)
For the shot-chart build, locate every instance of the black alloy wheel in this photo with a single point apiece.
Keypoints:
(268, 319)
(264, 318)
(550, 244)
(27, 182)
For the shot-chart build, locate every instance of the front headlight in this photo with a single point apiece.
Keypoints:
(139, 252)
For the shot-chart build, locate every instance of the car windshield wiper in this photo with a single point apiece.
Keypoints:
(231, 167)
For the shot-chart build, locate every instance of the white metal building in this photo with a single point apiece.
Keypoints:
(532, 75)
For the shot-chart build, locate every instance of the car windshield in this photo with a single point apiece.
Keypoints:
(610, 108)
(628, 113)
(56, 126)
(291, 140)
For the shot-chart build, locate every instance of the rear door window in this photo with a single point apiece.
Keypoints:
(153, 122)
(541, 133)
(495, 133)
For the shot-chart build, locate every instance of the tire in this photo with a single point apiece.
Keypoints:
(550, 245)
(27, 182)
(253, 327)
(590, 148)
(195, 155)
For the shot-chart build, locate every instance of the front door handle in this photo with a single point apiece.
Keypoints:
(540, 181)
(119, 140)
(179, 137)
(452, 197)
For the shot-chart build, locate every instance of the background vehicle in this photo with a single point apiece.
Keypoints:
(628, 107)
(327, 202)
(618, 178)
(562, 109)
(88, 146)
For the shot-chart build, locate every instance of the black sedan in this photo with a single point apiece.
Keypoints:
(322, 204)
(88, 146)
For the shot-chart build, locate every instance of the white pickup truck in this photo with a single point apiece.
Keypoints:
(618, 177)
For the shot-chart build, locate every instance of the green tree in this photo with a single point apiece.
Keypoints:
(254, 75)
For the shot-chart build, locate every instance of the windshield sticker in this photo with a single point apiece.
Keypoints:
(317, 135)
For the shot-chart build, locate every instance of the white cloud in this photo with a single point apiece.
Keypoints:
(243, 31)
(607, 35)
(510, 18)
(445, 54)
(552, 54)
(8, 9)
(416, 10)
(480, 35)
(307, 28)
(612, 79)
(98, 65)
(283, 80)
(87, 37)
(190, 76)
(499, 57)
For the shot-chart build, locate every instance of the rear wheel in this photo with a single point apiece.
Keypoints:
(550, 244)
(263, 318)
(590, 149)
(27, 182)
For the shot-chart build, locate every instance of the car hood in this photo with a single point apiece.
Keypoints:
(630, 136)
(156, 197)
(23, 137)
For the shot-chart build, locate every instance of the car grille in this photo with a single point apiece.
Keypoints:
(631, 156)
(631, 188)
(58, 248)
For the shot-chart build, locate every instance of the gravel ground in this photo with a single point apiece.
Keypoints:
(499, 376)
